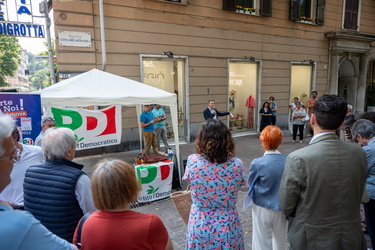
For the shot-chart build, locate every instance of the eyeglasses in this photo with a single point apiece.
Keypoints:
(15, 158)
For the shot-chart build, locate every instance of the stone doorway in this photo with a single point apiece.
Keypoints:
(348, 80)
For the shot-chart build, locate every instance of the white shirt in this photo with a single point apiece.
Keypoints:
(212, 111)
(38, 140)
(318, 135)
(13, 193)
(84, 195)
(270, 152)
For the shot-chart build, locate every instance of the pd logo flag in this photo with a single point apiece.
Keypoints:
(92, 128)
(156, 180)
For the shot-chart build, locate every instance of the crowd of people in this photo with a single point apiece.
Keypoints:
(309, 199)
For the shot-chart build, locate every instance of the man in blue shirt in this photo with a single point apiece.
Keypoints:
(160, 129)
(364, 132)
(273, 107)
(19, 229)
(148, 120)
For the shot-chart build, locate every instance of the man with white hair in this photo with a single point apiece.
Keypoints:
(19, 229)
(58, 192)
(30, 155)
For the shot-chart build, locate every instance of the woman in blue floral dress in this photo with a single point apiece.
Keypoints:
(215, 177)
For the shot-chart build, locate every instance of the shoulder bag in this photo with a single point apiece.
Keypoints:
(182, 202)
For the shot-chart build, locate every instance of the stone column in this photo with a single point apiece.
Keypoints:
(333, 73)
(361, 87)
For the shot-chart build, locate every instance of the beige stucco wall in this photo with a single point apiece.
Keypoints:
(208, 36)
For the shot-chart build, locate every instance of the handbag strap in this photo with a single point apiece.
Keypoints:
(80, 225)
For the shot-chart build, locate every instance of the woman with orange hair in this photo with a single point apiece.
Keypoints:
(269, 223)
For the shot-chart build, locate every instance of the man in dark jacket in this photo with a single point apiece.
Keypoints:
(57, 192)
(211, 112)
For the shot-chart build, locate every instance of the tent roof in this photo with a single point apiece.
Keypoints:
(97, 87)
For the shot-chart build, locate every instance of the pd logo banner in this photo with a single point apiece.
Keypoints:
(26, 110)
(92, 128)
(156, 181)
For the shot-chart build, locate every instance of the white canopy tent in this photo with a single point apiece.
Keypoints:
(97, 87)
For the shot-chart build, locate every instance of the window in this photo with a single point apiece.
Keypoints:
(262, 7)
(351, 14)
(311, 11)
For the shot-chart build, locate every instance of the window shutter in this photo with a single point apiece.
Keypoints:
(266, 7)
(320, 12)
(294, 10)
(229, 5)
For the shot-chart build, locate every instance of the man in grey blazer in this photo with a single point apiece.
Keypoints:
(323, 184)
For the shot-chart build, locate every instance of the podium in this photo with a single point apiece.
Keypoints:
(155, 179)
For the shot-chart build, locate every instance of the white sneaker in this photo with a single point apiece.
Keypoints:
(162, 153)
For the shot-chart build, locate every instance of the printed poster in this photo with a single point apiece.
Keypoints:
(26, 110)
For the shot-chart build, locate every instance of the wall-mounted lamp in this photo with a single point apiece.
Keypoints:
(169, 54)
(251, 58)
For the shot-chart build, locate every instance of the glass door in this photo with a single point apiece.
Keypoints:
(243, 77)
(168, 74)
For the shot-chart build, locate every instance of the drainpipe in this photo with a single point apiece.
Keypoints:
(102, 35)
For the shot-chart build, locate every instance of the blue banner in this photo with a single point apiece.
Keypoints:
(26, 110)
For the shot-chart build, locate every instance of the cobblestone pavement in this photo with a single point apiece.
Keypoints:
(247, 148)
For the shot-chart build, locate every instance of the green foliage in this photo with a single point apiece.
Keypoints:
(35, 64)
(39, 68)
(10, 57)
(39, 79)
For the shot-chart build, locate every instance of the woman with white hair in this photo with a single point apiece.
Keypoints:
(348, 122)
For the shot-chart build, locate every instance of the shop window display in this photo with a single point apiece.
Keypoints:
(242, 83)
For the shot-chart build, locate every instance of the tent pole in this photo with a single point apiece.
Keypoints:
(139, 111)
(176, 138)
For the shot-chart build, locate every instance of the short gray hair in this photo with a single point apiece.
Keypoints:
(350, 107)
(7, 125)
(57, 142)
(364, 128)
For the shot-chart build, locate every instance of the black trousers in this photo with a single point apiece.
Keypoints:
(300, 129)
(370, 220)
(273, 120)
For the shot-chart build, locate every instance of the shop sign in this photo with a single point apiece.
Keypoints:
(22, 26)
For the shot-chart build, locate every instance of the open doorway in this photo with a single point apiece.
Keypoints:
(347, 82)
(300, 87)
(168, 74)
(243, 78)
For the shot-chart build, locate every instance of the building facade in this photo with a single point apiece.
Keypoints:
(236, 52)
